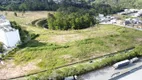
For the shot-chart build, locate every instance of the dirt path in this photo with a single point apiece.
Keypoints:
(10, 70)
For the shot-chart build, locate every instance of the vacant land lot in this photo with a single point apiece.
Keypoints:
(56, 48)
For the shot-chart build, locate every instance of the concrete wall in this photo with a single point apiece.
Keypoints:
(13, 38)
(3, 38)
(10, 38)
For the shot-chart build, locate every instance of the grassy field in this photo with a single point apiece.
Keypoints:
(56, 48)
(25, 18)
(62, 47)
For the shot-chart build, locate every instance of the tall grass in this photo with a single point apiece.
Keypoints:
(82, 68)
(102, 40)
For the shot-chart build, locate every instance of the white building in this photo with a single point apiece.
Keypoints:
(8, 35)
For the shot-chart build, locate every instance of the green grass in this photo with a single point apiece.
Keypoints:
(100, 41)
(97, 64)
(82, 68)
(27, 18)
(56, 48)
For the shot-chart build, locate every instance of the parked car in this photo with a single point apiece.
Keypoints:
(71, 78)
(121, 64)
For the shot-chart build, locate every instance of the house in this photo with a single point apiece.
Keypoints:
(8, 35)
(135, 22)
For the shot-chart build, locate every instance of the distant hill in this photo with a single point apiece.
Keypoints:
(53, 5)
(122, 3)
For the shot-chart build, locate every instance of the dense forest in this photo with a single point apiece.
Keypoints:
(53, 5)
(122, 3)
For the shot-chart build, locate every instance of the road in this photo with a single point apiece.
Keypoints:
(109, 73)
(140, 29)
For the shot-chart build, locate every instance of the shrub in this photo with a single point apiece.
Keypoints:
(1, 47)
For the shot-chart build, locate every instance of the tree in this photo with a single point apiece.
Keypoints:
(23, 12)
(50, 21)
(15, 14)
(23, 7)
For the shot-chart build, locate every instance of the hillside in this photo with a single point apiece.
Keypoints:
(50, 3)
(57, 48)
(122, 3)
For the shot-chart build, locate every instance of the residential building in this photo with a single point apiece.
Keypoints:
(8, 35)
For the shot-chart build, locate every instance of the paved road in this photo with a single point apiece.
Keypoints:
(129, 27)
(136, 75)
(109, 72)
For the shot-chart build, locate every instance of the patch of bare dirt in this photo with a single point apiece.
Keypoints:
(10, 70)
(66, 38)
(139, 39)
(66, 56)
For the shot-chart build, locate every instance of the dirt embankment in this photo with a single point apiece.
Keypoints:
(10, 70)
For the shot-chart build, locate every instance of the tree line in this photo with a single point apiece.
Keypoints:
(50, 5)
(28, 5)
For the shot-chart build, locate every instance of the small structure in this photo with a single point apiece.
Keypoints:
(8, 35)
(133, 22)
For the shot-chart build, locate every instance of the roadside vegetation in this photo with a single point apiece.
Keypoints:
(90, 65)
(82, 68)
